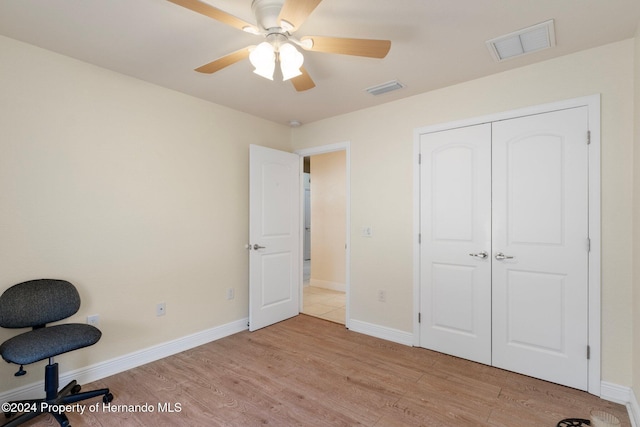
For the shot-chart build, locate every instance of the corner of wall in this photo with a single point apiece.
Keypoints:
(635, 381)
(634, 409)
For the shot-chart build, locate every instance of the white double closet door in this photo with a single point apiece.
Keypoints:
(504, 244)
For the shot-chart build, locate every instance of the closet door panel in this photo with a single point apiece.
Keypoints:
(455, 285)
(540, 256)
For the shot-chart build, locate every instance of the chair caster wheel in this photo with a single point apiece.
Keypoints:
(574, 422)
(76, 389)
(9, 414)
(107, 398)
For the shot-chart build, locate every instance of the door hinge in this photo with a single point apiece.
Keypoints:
(420, 158)
(588, 352)
(419, 317)
(588, 137)
(419, 238)
(588, 244)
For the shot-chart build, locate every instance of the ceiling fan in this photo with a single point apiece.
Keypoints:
(276, 21)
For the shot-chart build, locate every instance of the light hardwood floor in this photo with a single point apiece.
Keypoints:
(310, 372)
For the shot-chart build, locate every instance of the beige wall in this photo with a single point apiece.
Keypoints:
(328, 219)
(132, 192)
(382, 181)
(636, 224)
(135, 193)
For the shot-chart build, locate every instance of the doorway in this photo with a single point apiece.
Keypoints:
(325, 204)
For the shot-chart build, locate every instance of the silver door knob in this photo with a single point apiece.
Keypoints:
(500, 256)
(257, 246)
(481, 255)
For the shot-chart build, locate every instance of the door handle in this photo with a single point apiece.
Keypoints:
(257, 246)
(500, 256)
(481, 255)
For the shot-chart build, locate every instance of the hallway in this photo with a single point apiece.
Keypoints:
(326, 304)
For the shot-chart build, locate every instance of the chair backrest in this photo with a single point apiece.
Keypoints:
(35, 303)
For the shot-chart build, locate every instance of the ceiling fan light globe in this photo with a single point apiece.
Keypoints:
(262, 55)
(289, 54)
(289, 73)
(290, 61)
(266, 71)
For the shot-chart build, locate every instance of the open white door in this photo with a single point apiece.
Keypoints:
(274, 226)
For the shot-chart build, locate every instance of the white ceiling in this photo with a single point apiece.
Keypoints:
(435, 43)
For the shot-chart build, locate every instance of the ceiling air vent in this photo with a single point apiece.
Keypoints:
(385, 87)
(527, 40)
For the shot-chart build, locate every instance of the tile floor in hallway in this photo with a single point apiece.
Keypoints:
(324, 303)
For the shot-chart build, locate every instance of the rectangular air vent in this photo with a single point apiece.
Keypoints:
(527, 40)
(385, 87)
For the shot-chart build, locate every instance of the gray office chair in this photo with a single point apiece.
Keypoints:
(34, 304)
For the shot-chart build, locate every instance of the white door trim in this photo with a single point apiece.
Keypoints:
(593, 104)
(346, 147)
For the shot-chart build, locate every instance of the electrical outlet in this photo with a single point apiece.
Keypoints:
(231, 293)
(382, 296)
(161, 309)
(367, 231)
(93, 320)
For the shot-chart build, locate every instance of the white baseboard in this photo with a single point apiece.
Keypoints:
(615, 393)
(129, 361)
(382, 332)
(624, 396)
(325, 284)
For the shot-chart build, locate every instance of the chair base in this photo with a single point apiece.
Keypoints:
(54, 399)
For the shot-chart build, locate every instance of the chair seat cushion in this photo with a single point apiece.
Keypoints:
(51, 341)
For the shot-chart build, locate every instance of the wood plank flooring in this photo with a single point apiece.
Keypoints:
(310, 372)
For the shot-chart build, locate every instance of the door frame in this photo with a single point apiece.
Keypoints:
(323, 149)
(592, 102)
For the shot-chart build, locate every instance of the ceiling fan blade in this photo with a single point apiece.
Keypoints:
(303, 82)
(212, 12)
(295, 12)
(225, 61)
(345, 46)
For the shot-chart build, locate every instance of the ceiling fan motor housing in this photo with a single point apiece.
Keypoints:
(267, 13)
